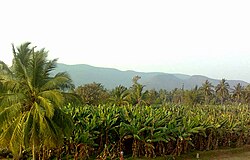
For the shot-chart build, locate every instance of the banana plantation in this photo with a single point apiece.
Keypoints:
(44, 116)
(147, 131)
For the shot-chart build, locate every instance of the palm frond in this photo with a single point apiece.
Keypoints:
(52, 133)
(16, 141)
(49, 66)
(72, 98)
(8, 99)
(9, 114)
(54, 96)
(7, 133)
(27, 126)
(47, 106)
(64, 121)
(59, 81)
(4, 69)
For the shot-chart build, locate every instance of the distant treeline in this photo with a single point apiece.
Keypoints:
(223, 93)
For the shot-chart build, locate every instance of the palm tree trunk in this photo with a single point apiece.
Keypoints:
(206, 100)
(33, 151)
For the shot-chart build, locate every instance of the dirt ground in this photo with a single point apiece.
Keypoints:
(242, 153)
(240, 156)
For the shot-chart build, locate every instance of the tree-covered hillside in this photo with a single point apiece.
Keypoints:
(83, 74)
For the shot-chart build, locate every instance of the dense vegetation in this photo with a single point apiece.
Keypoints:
(43, 115)
(157, 131)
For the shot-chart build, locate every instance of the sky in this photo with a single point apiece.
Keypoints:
(194, 37)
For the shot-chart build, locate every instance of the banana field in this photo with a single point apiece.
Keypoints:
(104, 131)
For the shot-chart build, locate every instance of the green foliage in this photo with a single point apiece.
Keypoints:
(92, 94)
(137, 94)
(207, 90)
(35, 115)
(222, 90)
(30, 102)
(167, 129)
(119, 96)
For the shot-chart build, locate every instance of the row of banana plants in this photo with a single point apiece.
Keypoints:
(103, 131)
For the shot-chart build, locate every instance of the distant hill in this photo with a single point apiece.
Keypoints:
(82, 74)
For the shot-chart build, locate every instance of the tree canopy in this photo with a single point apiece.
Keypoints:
(31, 100)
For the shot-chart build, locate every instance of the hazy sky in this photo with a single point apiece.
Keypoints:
(210, 37)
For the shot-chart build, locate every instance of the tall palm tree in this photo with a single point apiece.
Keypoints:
(119, 96)
(207, 90)
(163, 95)
(193, 96)
(238, 92)
(30, 101)
(222, 90)
(246, 94)
(152, 97)
(177, 95)
(137, 95)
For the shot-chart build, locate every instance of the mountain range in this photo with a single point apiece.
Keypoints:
(109, 77)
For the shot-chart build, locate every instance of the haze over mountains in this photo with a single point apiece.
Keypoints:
(83, 74)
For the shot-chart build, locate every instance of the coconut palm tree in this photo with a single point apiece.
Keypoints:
(152, 97)
(119, 96)
(222, 90)
(137, 95)
(238, 92)
(207, 90)
(177, 95)
(30, 101)
(193, 96)
(246, 94)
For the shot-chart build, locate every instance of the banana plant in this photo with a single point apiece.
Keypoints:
(157, 132)
(108, 126)
(185, 129)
